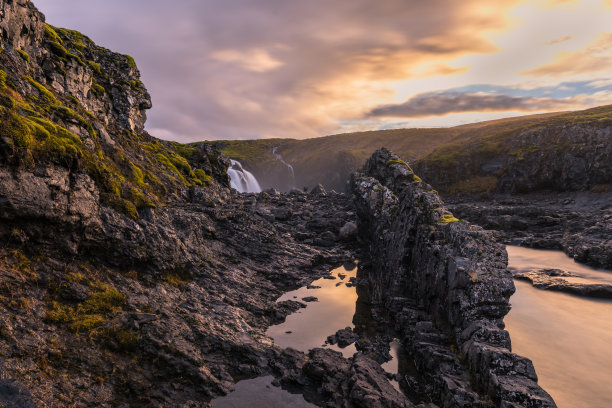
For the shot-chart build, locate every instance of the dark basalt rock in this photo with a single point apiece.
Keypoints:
(330, 380)
(343, 337)
(199, 279)
(454, 276)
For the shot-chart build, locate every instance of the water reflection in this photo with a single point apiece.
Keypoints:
(260, 393)
(568, 338)
(309, 327)
(526, 259)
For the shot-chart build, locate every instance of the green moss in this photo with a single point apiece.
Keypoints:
(137, 175)
(103, 303)
(136, 84)
(180, 163)
(166, 162)
(95, 66)
(139, 199)
(58, 313)
(51, 35)
(90, 314)
(447, 219)
(2, 79)
(86, 323)
(124, 206)
(58, 49)
(177, 277)
(12, 127)
(24, 55)
(400, 162)
(43, 91)
(184, 150)
(130, 61)
(127, 340)
(97, 89)
(74, 100)
(203, 178)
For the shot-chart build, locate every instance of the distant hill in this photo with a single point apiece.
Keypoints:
(330, 159)
(571, 151)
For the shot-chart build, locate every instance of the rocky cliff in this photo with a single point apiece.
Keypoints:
(130, 275)
(441, 282)
(568, 153)
(71, 106)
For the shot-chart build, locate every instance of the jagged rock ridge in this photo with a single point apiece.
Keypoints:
(440, 278)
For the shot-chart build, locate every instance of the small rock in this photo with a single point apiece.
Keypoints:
(348, 231)
(319, 190)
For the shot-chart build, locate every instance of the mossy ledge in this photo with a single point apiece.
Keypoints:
(69, 120)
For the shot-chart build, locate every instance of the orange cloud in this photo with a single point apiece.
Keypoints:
(595, 58)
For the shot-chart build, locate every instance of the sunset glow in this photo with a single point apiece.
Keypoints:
(268, 68)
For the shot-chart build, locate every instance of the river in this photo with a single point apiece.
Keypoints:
(568, 338)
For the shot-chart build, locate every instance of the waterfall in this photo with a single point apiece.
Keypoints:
(242, 180)
(289, 167)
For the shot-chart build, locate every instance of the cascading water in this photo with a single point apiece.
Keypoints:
(242, 180)
(289, 167)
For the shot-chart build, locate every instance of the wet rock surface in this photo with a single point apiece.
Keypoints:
(330, 380)
(343, 337)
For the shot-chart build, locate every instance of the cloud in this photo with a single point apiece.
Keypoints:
(256, 60)
(594, 58)
(240, 69)
(559, 40)
(444, 103)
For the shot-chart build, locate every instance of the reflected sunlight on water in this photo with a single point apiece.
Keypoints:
(310, 327)
(568, 338)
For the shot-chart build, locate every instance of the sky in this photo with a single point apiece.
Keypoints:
(246, 69)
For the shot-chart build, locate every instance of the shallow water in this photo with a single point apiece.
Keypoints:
(568, 338)
(526, 259)
(303, 330)
(392, 366)
(334, 310)
(260, 393)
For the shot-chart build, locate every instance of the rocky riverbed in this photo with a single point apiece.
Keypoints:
(184, 332)
(578, 223)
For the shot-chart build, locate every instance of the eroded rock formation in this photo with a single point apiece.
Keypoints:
(443, 283)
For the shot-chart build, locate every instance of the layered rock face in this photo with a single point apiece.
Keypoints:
(558, 157)
(73, 112)
(441, 281)
(105, 83)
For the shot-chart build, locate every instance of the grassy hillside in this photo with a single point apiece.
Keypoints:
(330, 159)
(567, 151)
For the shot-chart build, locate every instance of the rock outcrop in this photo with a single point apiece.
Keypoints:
(571, 153)
(441, 281)
(130, 274)
(553, 279)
